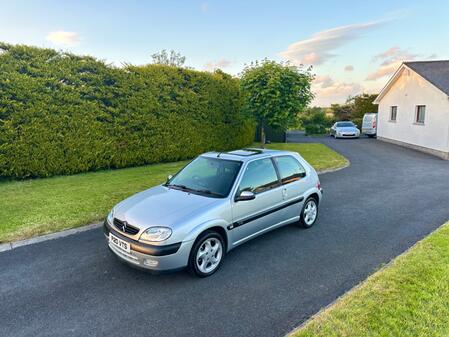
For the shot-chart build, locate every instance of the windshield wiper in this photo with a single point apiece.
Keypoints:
(177, 186)
(209, 192)
(185, 188)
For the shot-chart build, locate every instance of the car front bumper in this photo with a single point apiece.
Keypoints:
(348, 135)
(152, 257)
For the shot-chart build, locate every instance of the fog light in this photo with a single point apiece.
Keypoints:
(150, 263)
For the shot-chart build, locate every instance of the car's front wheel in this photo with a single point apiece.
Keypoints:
(309, 213)
(207, 254)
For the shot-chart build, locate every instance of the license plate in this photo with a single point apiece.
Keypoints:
(117, 242)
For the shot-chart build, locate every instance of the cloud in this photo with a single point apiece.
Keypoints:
(384, 70)
(328, 91)
(63, 38)
(320, 46)
(387, 54)
(220, 64)
(390, 60)
(323, 81)
(349, 67)
(394, 54)
(204, 7)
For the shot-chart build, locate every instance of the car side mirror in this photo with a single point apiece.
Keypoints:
(245, 195)
(169, 178)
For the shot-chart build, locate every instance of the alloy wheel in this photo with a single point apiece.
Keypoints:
(310, 212)
(209, 255)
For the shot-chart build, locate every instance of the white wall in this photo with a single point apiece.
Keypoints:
(406, 93)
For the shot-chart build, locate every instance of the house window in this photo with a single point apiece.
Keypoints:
(420, 114)
(393, 113)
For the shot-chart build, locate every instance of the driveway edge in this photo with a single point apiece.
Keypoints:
(348, 163)
(16, 244)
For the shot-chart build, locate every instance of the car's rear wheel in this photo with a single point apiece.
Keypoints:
(207, 254)
(309, 213)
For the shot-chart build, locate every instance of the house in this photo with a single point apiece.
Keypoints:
(414, 107)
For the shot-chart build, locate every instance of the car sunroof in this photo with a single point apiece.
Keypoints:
(246, 152)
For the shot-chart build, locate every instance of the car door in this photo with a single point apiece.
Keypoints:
(294, 184)
(251, 217)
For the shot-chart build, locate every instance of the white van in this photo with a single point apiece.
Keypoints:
(369, 124)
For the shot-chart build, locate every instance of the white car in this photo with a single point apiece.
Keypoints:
(345, 130)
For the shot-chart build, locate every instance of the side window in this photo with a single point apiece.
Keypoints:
(289, 169)
(393, 113)
(420, 114)
(260, 176)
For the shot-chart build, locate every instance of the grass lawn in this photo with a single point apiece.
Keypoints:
(410, 297)
(39, 206)
(318, 155)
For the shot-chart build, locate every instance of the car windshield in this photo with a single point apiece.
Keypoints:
(212, 177)
(345, 124)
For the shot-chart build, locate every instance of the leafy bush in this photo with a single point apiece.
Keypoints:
(358, 121)
(315, 122)
(63, 114)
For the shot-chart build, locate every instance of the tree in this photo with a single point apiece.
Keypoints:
(173, 59)
(362, 104)
(342, 111)
(275, 93)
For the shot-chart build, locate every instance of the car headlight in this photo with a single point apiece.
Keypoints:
(156, 234)
(111, 215)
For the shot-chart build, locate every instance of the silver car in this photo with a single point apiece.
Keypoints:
(345, 130)
(215, 203)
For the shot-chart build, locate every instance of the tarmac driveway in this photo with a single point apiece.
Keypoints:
(388, 199)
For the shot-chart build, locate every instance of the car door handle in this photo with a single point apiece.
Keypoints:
(284, 192)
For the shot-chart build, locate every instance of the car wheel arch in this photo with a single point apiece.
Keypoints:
(315, 196)
(214, 225)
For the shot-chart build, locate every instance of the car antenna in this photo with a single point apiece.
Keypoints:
(218, 155)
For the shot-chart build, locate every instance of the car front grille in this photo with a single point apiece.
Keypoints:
(125, 227)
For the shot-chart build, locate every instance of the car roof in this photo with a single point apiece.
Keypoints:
(247, 154)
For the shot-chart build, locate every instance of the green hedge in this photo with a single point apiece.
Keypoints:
(316, 122)
(64, 114)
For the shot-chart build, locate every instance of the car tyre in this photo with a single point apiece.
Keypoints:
(207, 254)
(309, 213)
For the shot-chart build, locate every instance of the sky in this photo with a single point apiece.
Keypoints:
(353, 46)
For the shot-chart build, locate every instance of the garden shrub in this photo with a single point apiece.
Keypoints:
(63, 114)
(316, 123)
